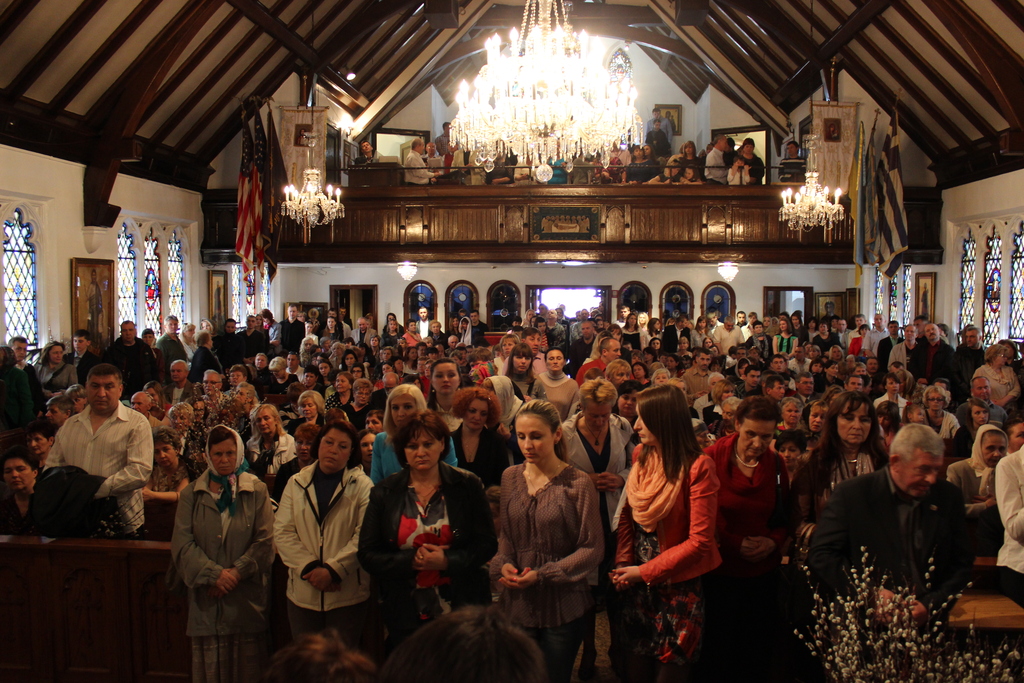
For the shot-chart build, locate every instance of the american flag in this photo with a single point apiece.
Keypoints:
(256, 189)
(245, 236)
(892, 218)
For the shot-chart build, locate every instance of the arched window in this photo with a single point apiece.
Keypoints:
(637, 296)
(175, 278)
(502, 305)
(152, 266)
(420, 294)
(676, 300)
(993, 288)
(250, 293)
(720, 298)
(908, 308)
(620, 66)
(21, 310)
(968, 263)
(1017, 285)
(127, 276)
(460, 294)
(880, 291)
(236, 290)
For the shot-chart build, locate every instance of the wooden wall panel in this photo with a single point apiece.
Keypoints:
(514, 224)
(658, 224)
(25, 599)
(464, 224)
(751, 225)
(159, 621)
(367, 224)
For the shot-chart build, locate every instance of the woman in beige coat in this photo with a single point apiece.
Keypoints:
(317, 536)
(223, 550)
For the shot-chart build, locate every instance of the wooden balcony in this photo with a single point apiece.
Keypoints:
(615, 223)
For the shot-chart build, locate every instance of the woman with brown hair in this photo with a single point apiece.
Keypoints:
(666, 540)
(478, 446)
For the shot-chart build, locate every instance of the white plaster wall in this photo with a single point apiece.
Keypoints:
(51, 191)
(417, 115)
(724, 113)
(312, 283)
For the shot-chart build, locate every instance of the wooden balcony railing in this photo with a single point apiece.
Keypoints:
(506, 224)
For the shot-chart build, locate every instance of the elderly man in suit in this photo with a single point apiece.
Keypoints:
(908, 522)
(179, 390)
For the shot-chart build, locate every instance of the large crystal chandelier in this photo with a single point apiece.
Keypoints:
(310, 206)
(811, 206)
(546, 98)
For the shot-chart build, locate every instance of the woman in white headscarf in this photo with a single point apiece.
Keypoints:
(466, 331)
(975, 476)
(222, 549)
(502, 388)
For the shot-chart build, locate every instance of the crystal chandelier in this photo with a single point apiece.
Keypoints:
(728, 270)
(545, 99)
(811, 206)
(311, 206)
(407, 270)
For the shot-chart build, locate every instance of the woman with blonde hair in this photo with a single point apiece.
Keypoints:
(1000, 376)
(270, 446)
(54, 374)
(188, 340)
(503, 351)
(404, 401)
(311, 407)
(618, 371)
(937, 417)
(666, 540)
(550, 542)
(660, 376)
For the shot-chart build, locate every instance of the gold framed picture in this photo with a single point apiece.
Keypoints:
(92, 300)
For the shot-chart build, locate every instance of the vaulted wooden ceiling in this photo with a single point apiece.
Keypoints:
(155, 87)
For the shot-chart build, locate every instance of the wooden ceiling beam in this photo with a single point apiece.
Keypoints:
(378, 43)
(49, 52)
(511, 16)
(117, 135)
(783, 40)
(378, 53)
(782, 59)
(397, 65)
(362, 23)
(258, 14)
(805, 79)
(98, 59)
(1013, 10)
(737, 57)
(12, 17)
(991, 57)
(750, 47)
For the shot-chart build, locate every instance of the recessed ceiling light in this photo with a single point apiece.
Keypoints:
(350, 75)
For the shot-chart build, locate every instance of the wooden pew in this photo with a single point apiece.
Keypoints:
(987, 610)
(159, 520)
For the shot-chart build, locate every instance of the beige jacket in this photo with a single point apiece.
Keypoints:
(305, 536)
(200, 549)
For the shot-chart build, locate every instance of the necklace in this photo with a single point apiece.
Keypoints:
(596, 438)
(744, 464)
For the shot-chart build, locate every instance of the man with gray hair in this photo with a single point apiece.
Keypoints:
(911, 526)
(715, 169)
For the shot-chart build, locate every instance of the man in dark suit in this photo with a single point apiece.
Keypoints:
(931, 358)
(379, 398)
(672, 332)
(910, 523)
(82, 358)
(887, 344)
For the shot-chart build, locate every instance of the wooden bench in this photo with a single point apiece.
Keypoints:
(987, 610)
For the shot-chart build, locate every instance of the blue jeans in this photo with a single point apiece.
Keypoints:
(559, 645)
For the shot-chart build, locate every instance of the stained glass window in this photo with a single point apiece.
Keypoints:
(993, 288)
(152, 266)
(880, 308)
(908, 308)
(127, 276)
(892, 287)
(265, 289)
(175, 278)
(620, 66)
(250, 293)
(21, 312)
(968, 263)
(1017, 285)
(236, 287)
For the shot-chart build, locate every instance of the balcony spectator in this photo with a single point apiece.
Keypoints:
(367, 154)
(793, 167)
(657, 138)
(417, 172)
(715, 169)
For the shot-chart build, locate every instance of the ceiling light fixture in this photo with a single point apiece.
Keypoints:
(728, 270)
(407, 270)
(546, 98)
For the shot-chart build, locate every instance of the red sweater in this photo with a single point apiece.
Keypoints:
(744, 508)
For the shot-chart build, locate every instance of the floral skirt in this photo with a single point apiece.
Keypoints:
(664, 621)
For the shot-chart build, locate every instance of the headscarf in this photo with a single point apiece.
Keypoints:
(978, 460)
(467, 336)
(229, 483)
(507, 399)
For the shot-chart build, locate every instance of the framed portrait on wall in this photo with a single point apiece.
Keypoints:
(92, 300)
(218, 301)
(830, 304)
(674, 114)
(924, 294)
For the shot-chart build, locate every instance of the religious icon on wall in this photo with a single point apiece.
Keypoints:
(924, 294)
(833, 130)
(92, 300)
(566, 224)
(673, 113)
(830, 304)
(218, 303)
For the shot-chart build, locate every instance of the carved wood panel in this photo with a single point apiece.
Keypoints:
(159, 620)
(362, 224)
(655, 224)
(515, 223)
(464, 224)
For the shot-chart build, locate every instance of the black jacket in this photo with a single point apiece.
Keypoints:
(474, 543)
(884, 350)
(202, 361)
(579, 353)
(230, 349)
(491, 456)
(965, 361)
(862, 513)
(85, 364)
(134, 375)
(670, 338)
(942, 364)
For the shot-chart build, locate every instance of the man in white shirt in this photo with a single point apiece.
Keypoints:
(877, 333)
(110, 440)
(714, 164)
(728, 335)
(901, 351)
(417, 172)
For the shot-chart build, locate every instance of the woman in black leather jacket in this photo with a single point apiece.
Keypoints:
(427, 533)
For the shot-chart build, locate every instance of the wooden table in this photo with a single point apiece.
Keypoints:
(987, 610)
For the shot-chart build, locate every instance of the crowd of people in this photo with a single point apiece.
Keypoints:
(721, 162)
(678, 474)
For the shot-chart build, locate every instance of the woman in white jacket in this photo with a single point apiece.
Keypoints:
(317, 535)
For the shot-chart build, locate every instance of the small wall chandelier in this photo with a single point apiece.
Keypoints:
(547, 98)
(407, 270)
(728, 270)
(811, 206)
